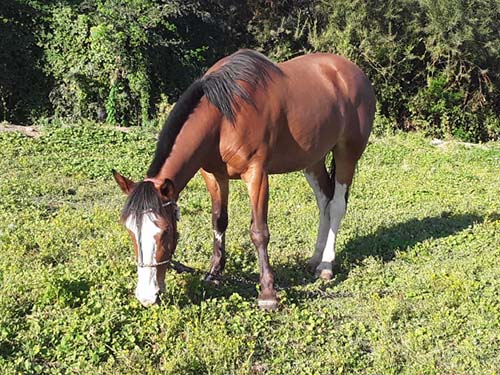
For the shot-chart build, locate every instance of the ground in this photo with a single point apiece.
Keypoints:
(416, 290)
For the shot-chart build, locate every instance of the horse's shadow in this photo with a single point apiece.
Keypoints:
(382, 244)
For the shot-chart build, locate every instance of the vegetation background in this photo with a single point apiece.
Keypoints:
(416, 290)
(434, 63)
(417, 286)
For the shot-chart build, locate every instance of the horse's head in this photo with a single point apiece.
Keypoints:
(150, 216)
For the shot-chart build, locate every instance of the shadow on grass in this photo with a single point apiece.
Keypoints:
(382, 244)
(385, 242)
(72, 293)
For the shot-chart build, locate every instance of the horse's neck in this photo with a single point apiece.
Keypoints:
(193, 144)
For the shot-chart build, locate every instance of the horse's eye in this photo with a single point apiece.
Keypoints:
(167, 229)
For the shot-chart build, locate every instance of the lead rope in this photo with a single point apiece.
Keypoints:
(318, 292)
(182, 268)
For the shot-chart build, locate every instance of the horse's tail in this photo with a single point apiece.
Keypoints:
(331, 170)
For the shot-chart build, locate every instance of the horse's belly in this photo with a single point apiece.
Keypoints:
(302, 148)
(312, 126)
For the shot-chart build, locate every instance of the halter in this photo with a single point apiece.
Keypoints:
(140, 262)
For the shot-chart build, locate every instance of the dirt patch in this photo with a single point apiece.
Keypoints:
(30, 131)
(35, 132)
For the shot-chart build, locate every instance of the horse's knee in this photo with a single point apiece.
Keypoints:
(338, 205)
(260, 237)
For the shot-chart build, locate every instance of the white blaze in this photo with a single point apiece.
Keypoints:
(219, 236)
(147, 284)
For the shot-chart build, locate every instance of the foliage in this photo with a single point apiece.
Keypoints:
(420, 52)
(280, 29)
(416, 288)
(23, 85)
(438, 104)
(434, 64)
(105, 55)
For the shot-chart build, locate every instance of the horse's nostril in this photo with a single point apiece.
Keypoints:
(147, 303)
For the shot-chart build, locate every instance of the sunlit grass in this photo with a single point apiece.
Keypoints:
(417, 288)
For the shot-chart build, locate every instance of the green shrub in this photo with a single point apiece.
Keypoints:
(433, 63)
(436, 108)
(23, 84)
(98, 57)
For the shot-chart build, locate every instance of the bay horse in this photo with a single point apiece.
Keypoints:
(247, 118)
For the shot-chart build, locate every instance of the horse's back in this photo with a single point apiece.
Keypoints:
(317, 102)
(327, 84)
(329, 70)
(326, 100)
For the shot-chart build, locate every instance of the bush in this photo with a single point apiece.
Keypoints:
(23, 85)
(281, 28)
(105, 55)
(433, 63)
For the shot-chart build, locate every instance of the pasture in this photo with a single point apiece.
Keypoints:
(416, 288)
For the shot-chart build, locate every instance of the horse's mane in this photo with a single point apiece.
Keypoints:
(173, 125)
(222, 89)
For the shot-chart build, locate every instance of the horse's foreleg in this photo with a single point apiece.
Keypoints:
(258, 189)
(219, 192)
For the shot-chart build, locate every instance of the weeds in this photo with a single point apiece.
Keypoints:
(416, 290)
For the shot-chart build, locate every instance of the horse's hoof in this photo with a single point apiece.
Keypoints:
(215, 282)
(268, 304)
(324, 271)
(212, 279)
(268, 300)
(325, 275)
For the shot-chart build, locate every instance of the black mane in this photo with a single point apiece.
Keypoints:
(173, 125)
(221, 88)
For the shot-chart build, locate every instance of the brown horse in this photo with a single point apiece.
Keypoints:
(244, 119)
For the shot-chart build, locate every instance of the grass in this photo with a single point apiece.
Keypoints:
(416, 291)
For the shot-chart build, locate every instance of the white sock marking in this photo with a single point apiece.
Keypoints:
(324, 215)
(337, 209)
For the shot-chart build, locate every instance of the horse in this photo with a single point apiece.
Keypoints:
(247, 118)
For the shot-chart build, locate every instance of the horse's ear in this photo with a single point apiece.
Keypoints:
(125, 184)
(167, 189)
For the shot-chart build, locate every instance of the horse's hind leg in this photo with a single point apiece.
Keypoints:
(345, 165)
(321, 183)
(219, 192)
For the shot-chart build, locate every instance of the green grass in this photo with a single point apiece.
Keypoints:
(417, 288)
